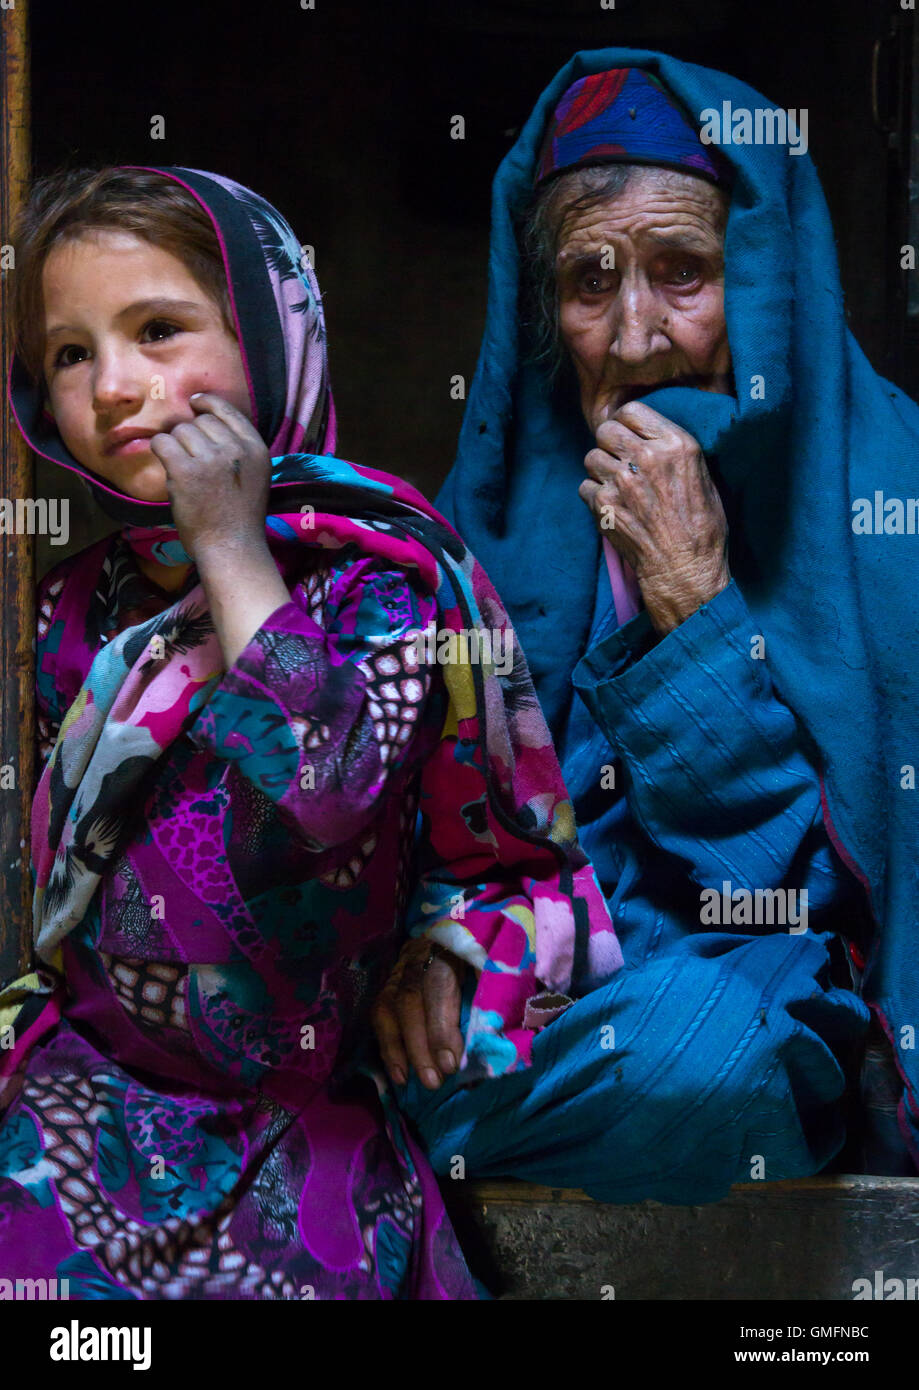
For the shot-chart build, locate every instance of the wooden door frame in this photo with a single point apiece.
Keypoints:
(17, 552)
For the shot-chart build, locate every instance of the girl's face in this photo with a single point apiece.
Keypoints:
(130, 335)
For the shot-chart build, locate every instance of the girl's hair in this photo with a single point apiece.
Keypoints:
(63, 205)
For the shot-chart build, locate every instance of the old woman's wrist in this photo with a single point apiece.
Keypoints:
(670, 606)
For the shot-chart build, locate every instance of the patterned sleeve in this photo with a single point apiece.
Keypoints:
(322, 706)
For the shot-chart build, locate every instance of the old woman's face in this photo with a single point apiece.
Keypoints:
(641, 290)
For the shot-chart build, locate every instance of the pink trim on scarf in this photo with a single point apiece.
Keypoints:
(150, 169)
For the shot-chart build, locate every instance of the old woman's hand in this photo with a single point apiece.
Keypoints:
(652, 495)
(416, 1018)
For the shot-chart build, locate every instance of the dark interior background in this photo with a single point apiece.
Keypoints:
(340, 116)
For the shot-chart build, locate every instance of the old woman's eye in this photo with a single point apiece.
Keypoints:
(686, 273)
(595, 282)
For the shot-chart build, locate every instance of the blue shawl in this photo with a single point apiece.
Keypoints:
(792, 456)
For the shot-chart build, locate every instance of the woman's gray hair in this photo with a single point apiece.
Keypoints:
(574, 191)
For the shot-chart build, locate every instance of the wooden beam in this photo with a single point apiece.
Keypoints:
(17, 556)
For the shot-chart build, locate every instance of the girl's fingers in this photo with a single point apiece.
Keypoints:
(442, 997)
(389, 1037)
(216, 430)
(413, 1025)
(167, 449)
(417, 1017)
(234, 419)
(186, 435)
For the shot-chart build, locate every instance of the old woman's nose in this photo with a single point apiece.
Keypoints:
(635, 327)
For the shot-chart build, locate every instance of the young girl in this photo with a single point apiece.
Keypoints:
(238, 730)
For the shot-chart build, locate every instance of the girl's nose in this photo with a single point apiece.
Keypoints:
(117, 379)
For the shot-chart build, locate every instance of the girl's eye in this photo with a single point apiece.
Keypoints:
(162, 330)
(68, 347)
(157, 324)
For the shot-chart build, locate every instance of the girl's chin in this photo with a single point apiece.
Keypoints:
(145, 483)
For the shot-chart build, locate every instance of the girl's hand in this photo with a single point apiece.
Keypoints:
(418, 1014)
(218, 474)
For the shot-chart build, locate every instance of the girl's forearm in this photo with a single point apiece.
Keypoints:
(243, 588)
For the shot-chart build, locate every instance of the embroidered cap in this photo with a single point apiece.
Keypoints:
(626, 116)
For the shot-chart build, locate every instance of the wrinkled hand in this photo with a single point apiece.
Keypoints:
(218, 475)
(418, 1014)
(666, 518)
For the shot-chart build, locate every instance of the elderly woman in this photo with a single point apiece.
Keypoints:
(739, 748)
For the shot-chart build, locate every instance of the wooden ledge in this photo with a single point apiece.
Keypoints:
(806, 1239)
(510, 1190)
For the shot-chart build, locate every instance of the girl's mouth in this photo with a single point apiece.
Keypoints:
(127, 439)
(137, 445)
